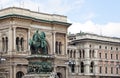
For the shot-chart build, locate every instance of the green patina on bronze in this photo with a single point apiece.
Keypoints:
(38, 44)
(39, 67)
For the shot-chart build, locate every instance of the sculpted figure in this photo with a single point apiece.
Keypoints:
(38, 43)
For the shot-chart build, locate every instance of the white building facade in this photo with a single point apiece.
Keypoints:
(94, 56)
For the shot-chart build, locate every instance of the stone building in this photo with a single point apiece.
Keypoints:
(17, 25)
(94, 56)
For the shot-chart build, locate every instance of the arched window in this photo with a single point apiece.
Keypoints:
(6, 45)
(60, 47)
(80, 53)
(82, 67)
(91, 67)
(83, 53)
(68, 53)
(93, 53)
(19, 74)
(56, 47)
(90, 53)
(22, 44)
(3, 44)
(17, 43)
(71, 54)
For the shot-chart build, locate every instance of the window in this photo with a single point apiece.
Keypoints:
(100, 47)
(90, 46)
(111, 48)
(73, 68)
(99, 55)
(3, 44)
(116, 56)
(105, 69)
(91, 67)
(83, 53)
(105, 47)
(111, 70)
(21, 44)
(117, 49)
(106, 55)
(111, 56)
(17, 43)
(80, 53)
(93, 53)
(90, 53)
(100, 69)
(116, 70)
(82, 67)
(71, 54)
(58, 47)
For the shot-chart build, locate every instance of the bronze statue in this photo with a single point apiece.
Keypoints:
(38, 43)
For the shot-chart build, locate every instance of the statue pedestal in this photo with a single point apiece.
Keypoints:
(40, 66)
(37, 76)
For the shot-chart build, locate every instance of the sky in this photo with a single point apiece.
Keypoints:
(100, 17)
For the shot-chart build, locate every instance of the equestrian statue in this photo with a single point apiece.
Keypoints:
(38, 43)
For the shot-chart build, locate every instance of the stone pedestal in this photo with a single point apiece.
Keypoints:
(40, 66)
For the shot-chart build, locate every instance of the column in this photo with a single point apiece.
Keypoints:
(95, 53)
(87, 69)
(87, 62)
(14, 70)
(14, 39)
(66, 44)
(54, 42)
(87, 54)
(28, 39)
(10, 39)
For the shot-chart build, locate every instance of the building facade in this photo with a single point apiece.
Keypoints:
(17, 26)
(94, 56)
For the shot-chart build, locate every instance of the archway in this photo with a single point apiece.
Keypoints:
(19, 74)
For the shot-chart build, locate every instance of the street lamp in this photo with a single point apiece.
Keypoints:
(1, 58)
(71, 64)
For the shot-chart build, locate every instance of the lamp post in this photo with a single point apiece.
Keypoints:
(71, 64)
(3, 73)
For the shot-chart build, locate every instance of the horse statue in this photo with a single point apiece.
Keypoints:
(38, 43)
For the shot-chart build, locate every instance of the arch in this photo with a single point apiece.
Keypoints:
(82, 67)
(59, 75)
(19, 74)
(92, 67)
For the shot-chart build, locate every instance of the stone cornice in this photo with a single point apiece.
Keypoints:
(34, 19)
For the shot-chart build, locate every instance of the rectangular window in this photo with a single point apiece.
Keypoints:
(100, 55)
(116, 56)
(111, 70)
(116, 70)
(111, 56)
(105, 69)
(106, 55)
(100, 69)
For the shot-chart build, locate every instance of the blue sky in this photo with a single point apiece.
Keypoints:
(94, 16)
